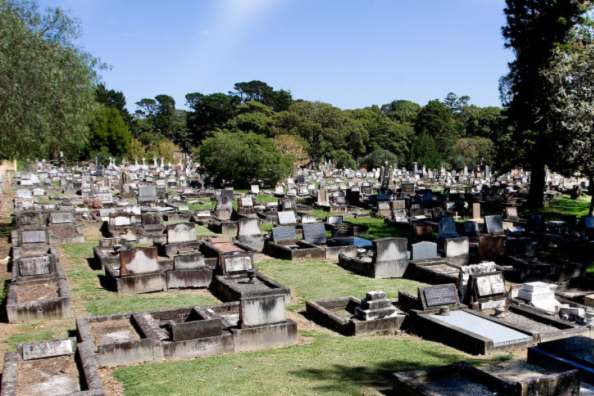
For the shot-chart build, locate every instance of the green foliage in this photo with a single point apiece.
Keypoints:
(402, 110)
(379, 158)
(109, 133)
(470, 151)
(534, 29)
(113, 100)
(248, 159)
(46, 83)
(343, 160)
(436, 120)
(425, 152)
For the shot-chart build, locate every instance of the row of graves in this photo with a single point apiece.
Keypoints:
(469, 306)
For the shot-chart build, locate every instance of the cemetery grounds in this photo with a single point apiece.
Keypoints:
(324, 362)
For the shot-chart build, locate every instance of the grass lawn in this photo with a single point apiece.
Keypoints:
(99, 301)
(314, 280)
(333, 365)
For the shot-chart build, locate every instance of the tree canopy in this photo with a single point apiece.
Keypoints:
(47, 84)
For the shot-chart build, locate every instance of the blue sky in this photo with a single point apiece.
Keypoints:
(350, 53)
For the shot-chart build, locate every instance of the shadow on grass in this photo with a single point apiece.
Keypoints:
(379, 375)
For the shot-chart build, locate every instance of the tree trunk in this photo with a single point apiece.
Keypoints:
(537, 184)
(591, 193)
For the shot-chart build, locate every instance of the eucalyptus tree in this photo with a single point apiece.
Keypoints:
(47, 84)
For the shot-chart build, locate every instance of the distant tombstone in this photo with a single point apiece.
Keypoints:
(255, 189)
(447, 228)
(390, 257)
(424, 251)
(494, 224)
(61, 218)
(285, 218)
(475, 269)
(31, 266)
(181, 232)
(33, 237)
(147, 193)
(335, 219)
(283, 233)
(307, 218)
(314, 233)
(138, 260)
(440, 295)
(279, 190)
(248, 227)
(188, 262)
(262, 311)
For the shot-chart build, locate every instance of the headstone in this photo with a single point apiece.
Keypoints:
(33, 237)
(475, 269)
(314, 233)
(283, 233)
(235, 262)
(285, 218)
(440, 295)
(181, 232)
(390, 257)
(494, 224)
(447, 228)
(188, 262)
(476, 210)
(424, 251)
(46, 349)
(248, 227)
(31, 266)
(138, 261)
(61, 218)
(262, 311)
(490, 285)
(147, 193)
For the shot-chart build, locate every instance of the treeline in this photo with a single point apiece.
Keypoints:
(451, 132)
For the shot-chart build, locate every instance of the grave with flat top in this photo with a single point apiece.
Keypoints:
(285, 245)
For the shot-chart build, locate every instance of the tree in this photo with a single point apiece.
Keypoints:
(402, 110)
(258, 91)
(209, 113)
(572, 77)
(113, 100)
(323, 127)
(470, 151)
(454, 103)
(383, 132)
(379, 158)
(534, 29)
(436, 120)
(248, 159)
(342, 159)
(165, 149)
(424, 151)
(46, 83)
(136, 150)
(109, 133)
(290, 146)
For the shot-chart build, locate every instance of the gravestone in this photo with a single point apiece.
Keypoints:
(248, 227)
(224, 208)
(471, 228)
(511, 213)
(399, 204)
(188, 262)
(456, 247)
(61, 218)
(440, 295)
(147, 194)
(424, 251)
(46, 349)
(139, 260)
(31, 266)
(262, 311)
(490, 285)
(343, 230)
(283, 233)
(476, 211)
(285, 218)
(33, 237)
(307, 218)
(390, 257)
(447, 228)
(475, 269)
(235, 262)
(181, 232)
(314, 233)
(335, 219)
(494, 224)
